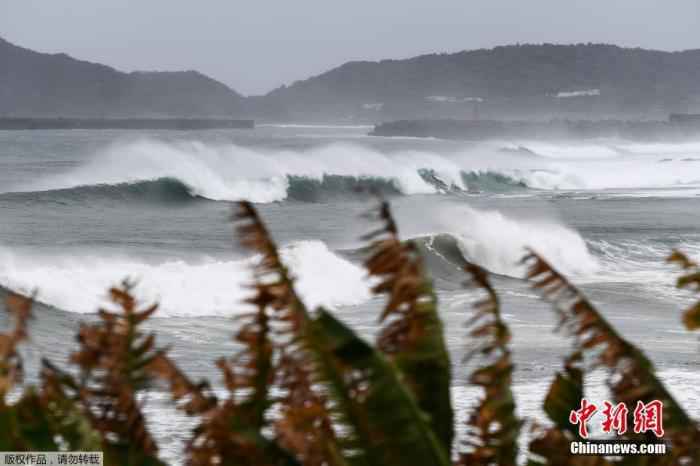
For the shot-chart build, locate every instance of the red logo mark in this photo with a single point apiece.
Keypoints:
(582, 415)
(649, 417)
(615, 418)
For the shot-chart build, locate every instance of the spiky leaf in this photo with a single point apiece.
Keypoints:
(413, 334)
(492, 427)
(631, 374)
(392, 427)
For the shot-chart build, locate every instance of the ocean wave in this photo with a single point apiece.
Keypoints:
(497, 241)
(227, 172)
(163, 190)
(296, 188)
(78, 283)
(603, 165)
(492, 182)
(164, 171)
(174, 191)
(230, 172)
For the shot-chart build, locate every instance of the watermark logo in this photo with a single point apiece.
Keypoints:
(648, 417)
(614, 418)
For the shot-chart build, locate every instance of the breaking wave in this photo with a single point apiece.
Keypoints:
(158, 171)
(298, 188)
(163, 190)
(178, 171)
(78, 283)
(498, 243)
(606, 165)
(230, 172)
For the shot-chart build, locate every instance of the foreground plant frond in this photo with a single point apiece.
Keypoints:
(391, 427)
(360, 388)
(304, 426)
(113, 361)
(413, 333)
(11, 370)
(551, 445)
(305, 389)
(492, 427)
(631, 374)
(690, 280)
(23, 424)
(236, 430)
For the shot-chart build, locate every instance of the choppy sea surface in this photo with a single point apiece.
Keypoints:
(82, 210)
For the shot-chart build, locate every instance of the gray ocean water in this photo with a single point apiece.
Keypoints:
(82, 210)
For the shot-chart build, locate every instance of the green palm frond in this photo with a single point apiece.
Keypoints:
(550, 446)
(304, 425)
(413, 334)
(492, 427)
(632, 376)
(387, 419)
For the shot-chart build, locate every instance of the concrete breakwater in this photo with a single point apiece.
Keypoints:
(674, 128)
(123, 123)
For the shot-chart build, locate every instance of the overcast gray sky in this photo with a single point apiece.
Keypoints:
(257, 45)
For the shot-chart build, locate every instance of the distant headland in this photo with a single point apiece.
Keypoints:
(517, 82)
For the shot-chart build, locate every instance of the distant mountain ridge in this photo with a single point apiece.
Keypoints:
(584, 81)
(41, 84)
(521, 81)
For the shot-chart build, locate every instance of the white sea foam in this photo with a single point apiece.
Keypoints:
(232, 172)
(642, 262)
(599, 166)
(78, 283)
(498, 243)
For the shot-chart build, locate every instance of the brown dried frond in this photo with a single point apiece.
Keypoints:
(250, 372)
(275, 300)
(631, 374)
(224, 437)
(193, 398)
(689, 280)
(413, 334)
(114, 359)
(231, 430)
(252, 367)
(554, 446)
(253, 234)
(487, 324)
(11, 370)
(303, 425)
(399, 267)
(492, 426)
(274, 286)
